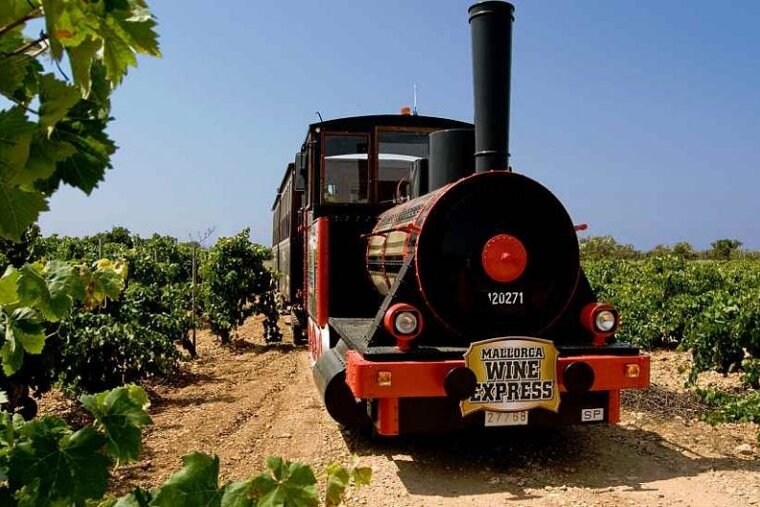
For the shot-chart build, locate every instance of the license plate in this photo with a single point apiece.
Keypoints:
(506, 418)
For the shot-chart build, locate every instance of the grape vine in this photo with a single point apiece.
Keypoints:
(709, 307)
(238, 285)
(45, 462)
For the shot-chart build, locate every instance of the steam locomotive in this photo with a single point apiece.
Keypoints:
(436, 287)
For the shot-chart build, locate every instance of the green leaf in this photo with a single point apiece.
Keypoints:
(101, 40)
(31, 284)
(265, 489)
(128, 29)
(290, 484)
(337, 481)
(121, 413)
(28, 330)
(108, 281)
(196, 485)
(84, 129)
(61, 468)
(23, 331)
(15, 138)
(48, 289)
(69, 24)
(53, 10)
(86, 168)
(237, 494)
(44, 154)
(137, 28)
(105, 282)
(137, 498)
(18, 73)
(13, 10)
(11, 353)
(79, 283)
(98, 102)
(12, 71)
(74, 23)
(60, 282)
(18, 210)
(13, 68)
(362, 476)
(81, 58)
(9, 286)
(117, 55)
(114, 5)
(56, 99)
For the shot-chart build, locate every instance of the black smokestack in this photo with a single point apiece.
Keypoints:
(491, 27)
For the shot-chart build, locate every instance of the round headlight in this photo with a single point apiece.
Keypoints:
(605, 321)
(405, 322)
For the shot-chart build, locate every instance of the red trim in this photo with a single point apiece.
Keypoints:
(613, 407)
(387, 417)
(322, 285)
(588, 315)
(411, 379)
(609, 371)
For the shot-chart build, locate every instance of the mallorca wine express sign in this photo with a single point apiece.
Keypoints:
(513, 374)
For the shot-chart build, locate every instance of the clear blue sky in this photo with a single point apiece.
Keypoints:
(643, 117)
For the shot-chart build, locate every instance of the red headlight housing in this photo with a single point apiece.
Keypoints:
(404, 322)
(601, 320)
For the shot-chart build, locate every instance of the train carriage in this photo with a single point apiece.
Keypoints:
(287, 243)
(436, 287)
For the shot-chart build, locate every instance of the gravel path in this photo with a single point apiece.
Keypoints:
(251, 401)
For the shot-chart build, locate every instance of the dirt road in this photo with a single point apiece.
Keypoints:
(250, 401)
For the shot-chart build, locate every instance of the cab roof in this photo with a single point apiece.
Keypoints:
(388, 120)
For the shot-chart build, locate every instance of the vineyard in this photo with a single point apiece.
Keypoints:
(710, 308)
(85, 326)
(130, 321)
(134, 320)
(135, 334)
(73, 320)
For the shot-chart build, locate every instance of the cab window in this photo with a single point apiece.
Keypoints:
(345, 173)
(397, 152)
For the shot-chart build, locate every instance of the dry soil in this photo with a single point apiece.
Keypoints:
(250, 401)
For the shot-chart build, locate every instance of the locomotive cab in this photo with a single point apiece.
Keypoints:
(438, 288)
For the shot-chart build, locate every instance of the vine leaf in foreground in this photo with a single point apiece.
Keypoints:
(294, 482)
(339, 478)
(120, 414)
(23, 332)
(47, 287)
(55, 465)
(19, 206)
(196, 485)
(67, 142)
(237, 494)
